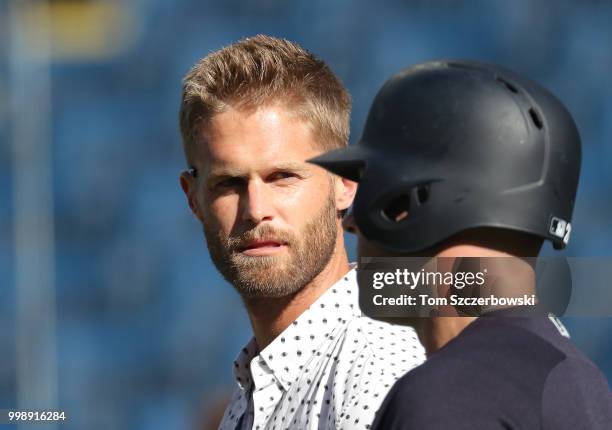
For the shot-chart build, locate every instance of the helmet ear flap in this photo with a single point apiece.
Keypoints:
(400, 206)
(399, 216)
(397, 208)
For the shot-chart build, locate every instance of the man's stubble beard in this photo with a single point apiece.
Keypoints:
(273, 276)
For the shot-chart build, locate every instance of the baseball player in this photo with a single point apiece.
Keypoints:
(463, 159)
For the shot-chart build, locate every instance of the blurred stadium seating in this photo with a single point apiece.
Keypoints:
(146, 329)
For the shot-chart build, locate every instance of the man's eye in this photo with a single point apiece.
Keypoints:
(229, 183)
(282, 175)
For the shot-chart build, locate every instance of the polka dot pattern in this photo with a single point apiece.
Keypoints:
(330, 369)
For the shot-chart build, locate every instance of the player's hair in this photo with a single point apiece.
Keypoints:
(259, 71)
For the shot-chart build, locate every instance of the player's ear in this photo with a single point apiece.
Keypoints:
(188, 184)
(345, 192)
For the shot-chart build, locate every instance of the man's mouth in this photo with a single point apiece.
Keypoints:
(262, 247)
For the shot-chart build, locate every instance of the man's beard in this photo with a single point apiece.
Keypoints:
(275, 276)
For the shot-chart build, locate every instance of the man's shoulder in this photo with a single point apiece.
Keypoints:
(384, 340)
(576, 395)
(492, 374)
(477, 362)
(428, 397)
(373, 356)
(464, 382)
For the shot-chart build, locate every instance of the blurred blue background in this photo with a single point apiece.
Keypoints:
(109, 306)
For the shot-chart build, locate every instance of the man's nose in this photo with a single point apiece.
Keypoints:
(256, 203)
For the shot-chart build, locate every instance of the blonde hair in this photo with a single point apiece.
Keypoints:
(264, 70)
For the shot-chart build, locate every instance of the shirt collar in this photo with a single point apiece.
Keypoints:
(518, 311)
(242, 364)
(286, 356)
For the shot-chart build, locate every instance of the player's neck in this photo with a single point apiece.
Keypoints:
(271, 316)
(507, 276)
(435, 332)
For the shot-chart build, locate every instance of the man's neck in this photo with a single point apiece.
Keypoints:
(435, 332)
(271, 316)
(507, 276)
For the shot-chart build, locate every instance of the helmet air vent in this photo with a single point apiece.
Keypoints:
(535, 118)
(507, 84)
(422, 193)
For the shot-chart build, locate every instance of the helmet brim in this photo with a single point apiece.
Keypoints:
(346, 162)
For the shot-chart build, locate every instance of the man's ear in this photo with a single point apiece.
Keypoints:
(345, 192)
(188, 184)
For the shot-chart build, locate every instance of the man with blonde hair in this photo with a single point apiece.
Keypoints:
(251, 114)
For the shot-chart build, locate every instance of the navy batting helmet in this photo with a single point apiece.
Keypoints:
(454, 145)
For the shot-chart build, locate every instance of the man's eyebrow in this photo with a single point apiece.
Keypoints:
(224, 173)
(290, 165)
(235, 173)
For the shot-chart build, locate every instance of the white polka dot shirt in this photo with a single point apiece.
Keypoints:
(330, 369)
